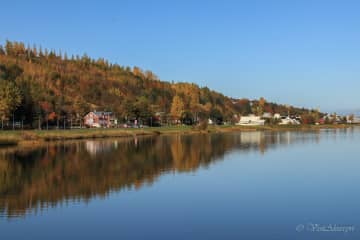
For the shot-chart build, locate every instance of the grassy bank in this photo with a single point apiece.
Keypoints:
(8, 138)
(34, 136)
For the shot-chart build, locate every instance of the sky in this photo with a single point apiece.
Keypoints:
(304, 53)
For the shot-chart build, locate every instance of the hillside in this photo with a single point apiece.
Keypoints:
(38, 86)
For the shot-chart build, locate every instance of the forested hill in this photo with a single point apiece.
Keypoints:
(38, 83)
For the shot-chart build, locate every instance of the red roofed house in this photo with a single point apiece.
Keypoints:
(99, 119)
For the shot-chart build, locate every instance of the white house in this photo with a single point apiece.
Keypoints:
(267, 115)
(353, 120)
(277, 116)
(251, 120)
(289, 121)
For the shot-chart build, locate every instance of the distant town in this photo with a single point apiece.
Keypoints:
(98, 119)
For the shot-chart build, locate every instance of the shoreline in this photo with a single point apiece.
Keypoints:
(34, 137)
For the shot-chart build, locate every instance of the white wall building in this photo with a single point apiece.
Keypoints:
(289, 121)
(251, 120)
(355, 120)
(277, 116)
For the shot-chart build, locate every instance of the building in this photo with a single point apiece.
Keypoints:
(334, 118)
(352, 119)
(289, 121)
(251, 120)
(267, 115)
(100, 119)
(277, 116)
(159, 119)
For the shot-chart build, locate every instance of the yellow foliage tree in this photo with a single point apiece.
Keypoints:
(10, 98)
(177, 107)
(261, 107)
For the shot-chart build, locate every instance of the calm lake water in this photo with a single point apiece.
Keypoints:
(253, 185)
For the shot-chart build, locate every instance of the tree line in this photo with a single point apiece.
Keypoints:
(42, 87)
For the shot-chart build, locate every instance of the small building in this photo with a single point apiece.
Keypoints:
(322, 121)
(100, 120)
(277, 116)
(289, 121)
(267, 115)
(334, 118)
(352, 119)
(251, 120)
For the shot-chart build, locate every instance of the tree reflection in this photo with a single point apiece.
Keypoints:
(32, 179)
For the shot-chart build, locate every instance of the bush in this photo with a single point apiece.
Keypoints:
(202, 126)
(29, 136)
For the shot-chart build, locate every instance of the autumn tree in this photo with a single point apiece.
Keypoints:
(10, 98)
(243, 106)
(138, 72)
(177, 107)
(149, 75)
(194, 104)
(261, 107)
(142, 109)
(216, 116)
(2, 50)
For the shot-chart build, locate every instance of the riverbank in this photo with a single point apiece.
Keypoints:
(282, 127)
(29, 137)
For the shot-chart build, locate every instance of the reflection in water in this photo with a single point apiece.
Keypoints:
(77, 171)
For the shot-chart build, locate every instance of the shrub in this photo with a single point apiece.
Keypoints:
(29, 136)
(202, 126)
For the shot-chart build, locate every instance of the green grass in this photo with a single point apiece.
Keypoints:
(96, 133)
(14, 137)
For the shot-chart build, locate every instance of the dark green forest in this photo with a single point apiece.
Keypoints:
(40, 86)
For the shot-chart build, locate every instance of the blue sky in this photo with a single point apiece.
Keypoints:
(305, 53)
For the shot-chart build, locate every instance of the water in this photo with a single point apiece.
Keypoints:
(252, 185)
